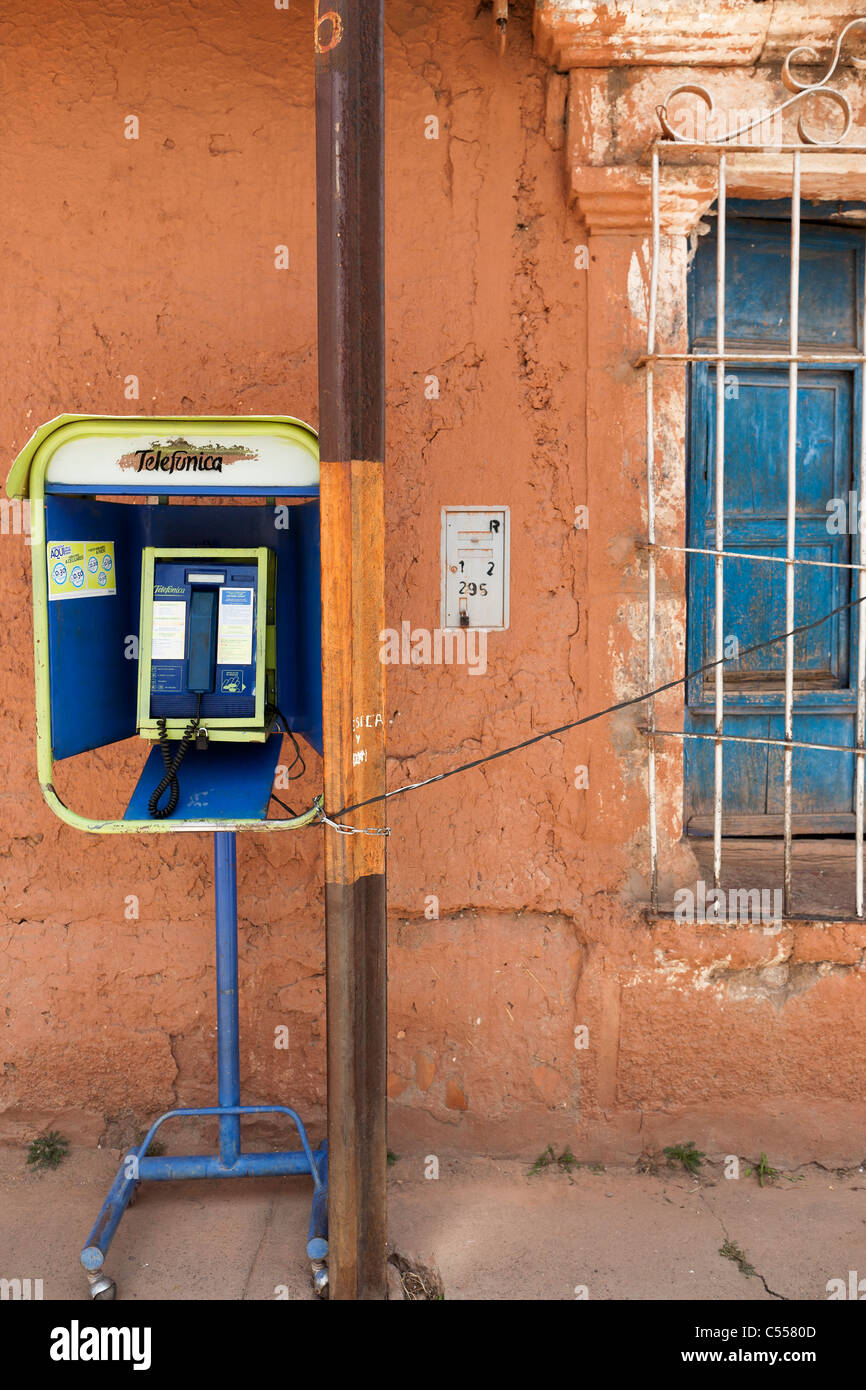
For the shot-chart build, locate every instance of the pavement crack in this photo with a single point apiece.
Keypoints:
(772, 1292)
(269, 1216)
(749, 1267)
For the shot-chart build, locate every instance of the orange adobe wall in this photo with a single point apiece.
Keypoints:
(531, 1001)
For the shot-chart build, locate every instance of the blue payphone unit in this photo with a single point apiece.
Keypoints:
(207, 643)
(207, 653)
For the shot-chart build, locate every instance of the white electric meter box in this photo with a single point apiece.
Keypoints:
(475, 565)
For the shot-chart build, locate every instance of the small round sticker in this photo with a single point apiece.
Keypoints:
(58, 574)
(78, 577)
(106, 562)
(93, 564)
(102, 579)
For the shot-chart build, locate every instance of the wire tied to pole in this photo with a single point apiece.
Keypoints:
(350, 829)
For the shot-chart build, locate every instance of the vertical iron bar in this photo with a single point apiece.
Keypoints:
(861, 628)
(791, 519)
(349, 44)
(228, 1042)
(651, 536)
(718, 765)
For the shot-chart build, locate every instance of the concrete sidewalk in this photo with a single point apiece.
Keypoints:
(493, 1231)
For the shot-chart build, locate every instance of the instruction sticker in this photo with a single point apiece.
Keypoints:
(235, 631)
(168, 633)
(166, 680)
(80, 569)
(232, 683)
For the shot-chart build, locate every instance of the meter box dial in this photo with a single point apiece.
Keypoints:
(475, 566)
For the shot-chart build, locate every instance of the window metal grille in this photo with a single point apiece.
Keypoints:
(709, 152)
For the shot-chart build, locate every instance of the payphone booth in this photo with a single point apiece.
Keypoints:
(176, 600)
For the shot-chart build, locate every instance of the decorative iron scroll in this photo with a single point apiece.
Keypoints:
(802, 91)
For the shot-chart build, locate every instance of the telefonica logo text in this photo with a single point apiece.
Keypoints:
(420, 647)
(704, 904)
(75, 1343)
(177, 461)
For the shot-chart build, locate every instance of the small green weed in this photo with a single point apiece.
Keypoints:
(763, 1172)
(551, 1159)
(731, 1251)
(49, 1151)
(687, 1155)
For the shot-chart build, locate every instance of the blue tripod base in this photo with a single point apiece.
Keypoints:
(230, 1161)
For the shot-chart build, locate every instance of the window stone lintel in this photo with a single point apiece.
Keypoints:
(724, 34)
(617, 200)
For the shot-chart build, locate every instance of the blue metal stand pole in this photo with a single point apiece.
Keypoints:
(228, 1041)
(138, 1166)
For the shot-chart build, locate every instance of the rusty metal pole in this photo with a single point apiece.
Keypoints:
(349, 43)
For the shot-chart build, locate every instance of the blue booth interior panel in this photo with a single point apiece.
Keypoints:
(224, 781)
(93, 680)
(93, 677)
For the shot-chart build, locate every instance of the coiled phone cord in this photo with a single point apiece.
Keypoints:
(172, 764)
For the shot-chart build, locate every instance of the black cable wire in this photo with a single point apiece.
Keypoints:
(299, 757)
(599, 714)
(172, 764)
